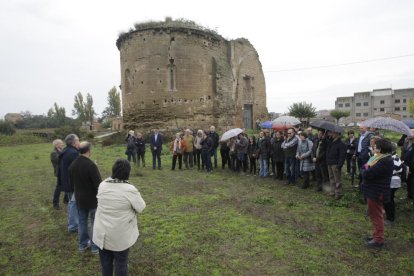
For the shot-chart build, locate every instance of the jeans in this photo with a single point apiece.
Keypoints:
(263, 166)
(107, 262)
(84, 238)
(291, 169)
(73, 220)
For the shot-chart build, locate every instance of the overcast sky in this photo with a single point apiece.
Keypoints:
(50, 50)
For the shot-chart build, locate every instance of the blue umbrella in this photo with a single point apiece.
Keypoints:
(409, 122)
(267, 124)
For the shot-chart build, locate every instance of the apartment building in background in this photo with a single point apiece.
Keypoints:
(365, 105)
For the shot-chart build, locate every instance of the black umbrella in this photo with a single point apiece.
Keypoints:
(325, 125)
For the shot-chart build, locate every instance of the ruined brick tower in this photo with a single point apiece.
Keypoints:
(177, 74)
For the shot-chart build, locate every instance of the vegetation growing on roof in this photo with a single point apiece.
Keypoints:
(168, 23)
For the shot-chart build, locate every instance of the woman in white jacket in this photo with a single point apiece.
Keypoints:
(116, 229)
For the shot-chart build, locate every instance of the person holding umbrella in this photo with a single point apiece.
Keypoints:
(335, 158)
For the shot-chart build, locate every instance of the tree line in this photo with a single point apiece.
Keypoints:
(56, 116)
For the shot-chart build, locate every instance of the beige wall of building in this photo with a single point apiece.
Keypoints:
(365, 105)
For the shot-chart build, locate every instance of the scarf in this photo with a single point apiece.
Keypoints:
(377, 157)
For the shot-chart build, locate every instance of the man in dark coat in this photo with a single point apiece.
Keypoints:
(54, 158)
(215, 138)
(335, 158)
(156, 142)
(85, 178)
(68, 155)
(319, 152)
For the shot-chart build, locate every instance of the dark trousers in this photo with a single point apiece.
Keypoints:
(279, 170)
(350, 164)
(253, 162)
(410, 185)
(233, 161)
(225, 158)
(156, 155)
(133, 155)
(306, 176)
(108, 258)
(198, 157)
(321, 170)
(174, 161)
(56, 195)
(390, 206)
(206, 155)
(141, 156)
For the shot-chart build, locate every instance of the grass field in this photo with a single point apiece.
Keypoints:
(199, 224)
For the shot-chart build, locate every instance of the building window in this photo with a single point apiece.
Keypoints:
(365, 114)
(365, 103)
(404, 116)
(358, 104)
(397, 108)
(382, 102)
(347, 105)
(404, 100)
(382, 109)
(358, 114)
(397, 100)
(375, 109)
(340, 105)
(404, 108)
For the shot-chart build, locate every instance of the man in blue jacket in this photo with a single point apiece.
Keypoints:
(68, 155)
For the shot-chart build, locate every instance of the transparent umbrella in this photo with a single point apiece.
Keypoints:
(230, 134)
(388, 124)
(285, 122)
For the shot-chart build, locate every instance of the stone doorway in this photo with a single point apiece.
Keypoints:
(248, 116)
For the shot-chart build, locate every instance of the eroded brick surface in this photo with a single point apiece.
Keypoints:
(176, 77)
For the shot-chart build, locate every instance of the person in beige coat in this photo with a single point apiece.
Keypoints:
(116, 228)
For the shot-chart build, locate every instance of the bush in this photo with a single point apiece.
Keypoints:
(68, 129)
(116, 139)
(6, 128)
(19, 139)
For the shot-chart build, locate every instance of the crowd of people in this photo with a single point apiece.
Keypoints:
(289, 156)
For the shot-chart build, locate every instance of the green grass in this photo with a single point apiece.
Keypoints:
(198, 224)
